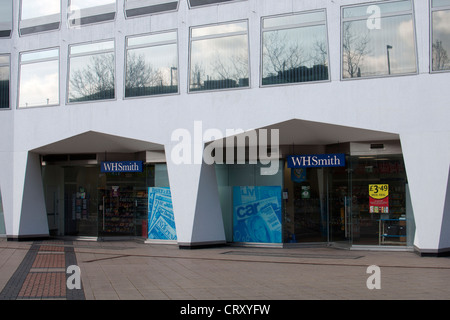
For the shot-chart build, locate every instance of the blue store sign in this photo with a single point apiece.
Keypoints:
(121, 166)
(317, 161)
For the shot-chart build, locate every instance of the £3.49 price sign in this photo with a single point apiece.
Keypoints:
(379, 198)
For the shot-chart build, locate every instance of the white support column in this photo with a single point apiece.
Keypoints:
(6, 188)
(23, 196)
(427, 161)
(196, 204)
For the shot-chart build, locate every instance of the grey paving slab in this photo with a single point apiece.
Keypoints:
(132, 270)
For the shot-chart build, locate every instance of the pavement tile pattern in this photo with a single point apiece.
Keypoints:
(42, 274)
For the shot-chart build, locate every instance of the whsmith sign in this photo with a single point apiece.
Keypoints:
(121, 166)
(317, 161)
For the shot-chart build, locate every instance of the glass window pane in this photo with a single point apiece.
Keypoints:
(134, 8)
(389, 50)
(440, 3)
(39, 81)
(296, 54)
(219, 63)
(197, 3)
(39, 16)
(385, 8)
(152, 39)
(92, 47)
(91, 77)
(441, 40)
(4, 81)
(83, 12)
(5, 18)
(295, 19)
(219, 29)
(152, 70)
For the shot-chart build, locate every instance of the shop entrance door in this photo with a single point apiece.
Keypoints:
(123, 208)
(339, 205)
(319, 206)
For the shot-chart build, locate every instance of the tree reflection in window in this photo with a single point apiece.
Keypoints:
(219, 57)
(440, 35)
(152, 67)
(385, 48)
(295, 48)
(92, 72)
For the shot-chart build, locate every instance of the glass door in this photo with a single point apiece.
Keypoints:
(341, 222)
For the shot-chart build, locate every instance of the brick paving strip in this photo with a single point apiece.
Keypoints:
(42, 274)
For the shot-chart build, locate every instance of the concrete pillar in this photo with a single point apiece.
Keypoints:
(427, 161)
(23, 196)
(196, 204)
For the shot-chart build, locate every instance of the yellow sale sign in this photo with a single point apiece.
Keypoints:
(378, 191)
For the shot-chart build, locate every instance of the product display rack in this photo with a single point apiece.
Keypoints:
(122, 212)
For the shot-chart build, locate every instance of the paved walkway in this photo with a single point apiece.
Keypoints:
(132, 270)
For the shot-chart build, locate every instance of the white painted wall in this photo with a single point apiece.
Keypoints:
(415, 107)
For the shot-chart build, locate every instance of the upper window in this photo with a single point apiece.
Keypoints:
(198, 3)
(440, 16)
(219, 57)
(82, 12)
(39, 16)
(4, 81)
(152, 65)
(91, 72)
(378, 40)
(135, 8)
(294, 48)
(39, 78)
(6, 18)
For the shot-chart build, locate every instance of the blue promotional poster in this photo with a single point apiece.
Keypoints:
(257, 214)
(161, 220)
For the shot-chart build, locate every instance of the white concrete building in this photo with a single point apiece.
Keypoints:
(86, 84)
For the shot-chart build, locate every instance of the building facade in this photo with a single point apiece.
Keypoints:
(202, 122)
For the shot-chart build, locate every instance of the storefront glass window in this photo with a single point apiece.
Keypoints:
(251, 203)
(5, 18)
(295, 48)
(39, 16)
(135, 8)
(39, 78)
(4, 81)
(82, 12)
(91, 72)
(152, 65)
(219, 57)
(361, 203)
(83, 201)
(378, 40)
(440, 15)
(379, 204)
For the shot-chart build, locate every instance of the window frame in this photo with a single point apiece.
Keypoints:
(69, 56)
(151, 13)
(148, 46)
(9, 79)
(217, 36)
(431, 11)
(290, 27)
(38, 26)
(399, 13)
(37, 61)
(81, 25)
